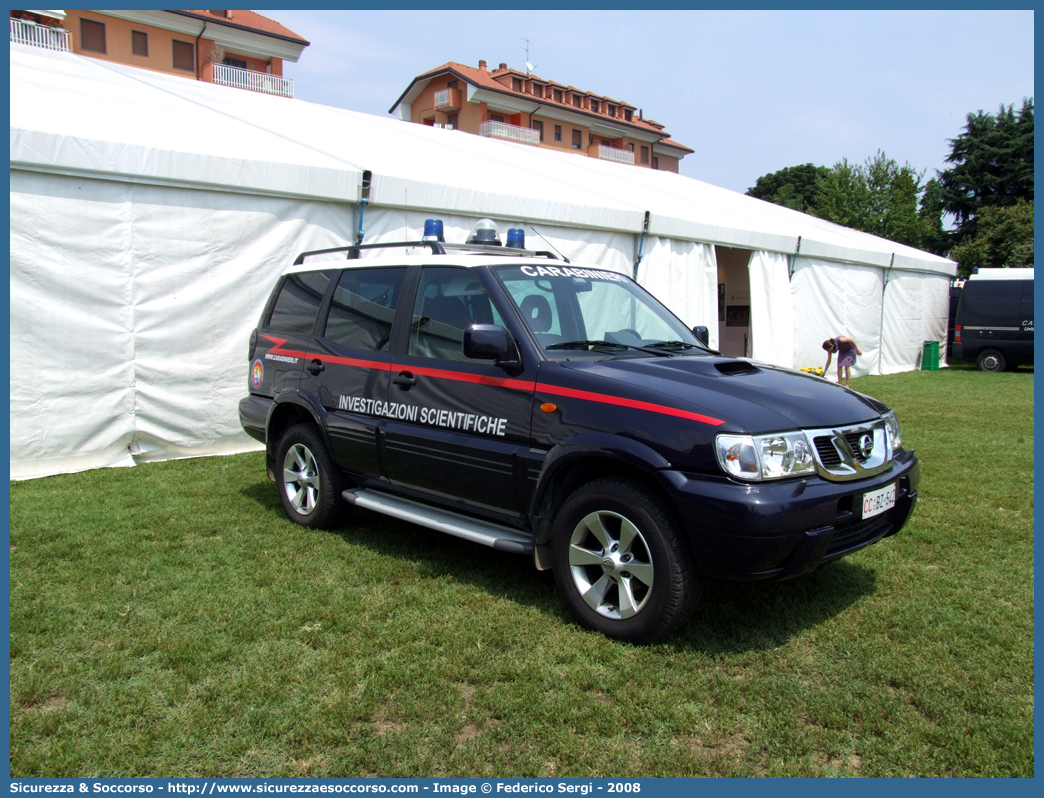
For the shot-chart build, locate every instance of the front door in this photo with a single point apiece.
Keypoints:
(467, 422)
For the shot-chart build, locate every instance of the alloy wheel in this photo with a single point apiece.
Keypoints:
(610, 564)
(301, 478)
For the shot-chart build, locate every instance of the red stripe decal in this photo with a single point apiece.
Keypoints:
(479, 379)
(632, 403)
(344, 361)
(498, 382)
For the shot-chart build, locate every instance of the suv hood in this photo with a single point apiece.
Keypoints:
(749, 397)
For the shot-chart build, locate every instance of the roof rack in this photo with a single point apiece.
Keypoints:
(508, 252)
(436, 247)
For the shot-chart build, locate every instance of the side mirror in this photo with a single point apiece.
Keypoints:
(491, 342)
(702, 334)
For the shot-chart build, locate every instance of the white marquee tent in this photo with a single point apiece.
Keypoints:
(150, 215)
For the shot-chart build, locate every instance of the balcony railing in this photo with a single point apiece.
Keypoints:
(253, 81)
(36, 35)
(502, 130)
(613, 154)
(447, 100)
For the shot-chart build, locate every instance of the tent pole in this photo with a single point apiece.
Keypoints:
(362, 210)
(884, 288)
(367, 177)
(793, 260)
(641, 243)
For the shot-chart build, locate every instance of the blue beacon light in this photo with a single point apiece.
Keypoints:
(433, 230)
(516, 238)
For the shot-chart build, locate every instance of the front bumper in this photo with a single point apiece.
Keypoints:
(784, 529)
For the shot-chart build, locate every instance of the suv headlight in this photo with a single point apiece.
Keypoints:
(761, 457)
(895, 438)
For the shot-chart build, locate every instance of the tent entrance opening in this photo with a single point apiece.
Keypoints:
(734, 301)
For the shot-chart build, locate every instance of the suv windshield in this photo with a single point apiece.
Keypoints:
(570, 308)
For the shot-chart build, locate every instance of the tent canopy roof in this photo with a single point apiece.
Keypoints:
(84, 116)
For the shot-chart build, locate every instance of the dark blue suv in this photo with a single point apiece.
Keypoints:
(559, 411)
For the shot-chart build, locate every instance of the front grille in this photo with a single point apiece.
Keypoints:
(852, 439)
(858, 533)
(840, 457)
(828, 454)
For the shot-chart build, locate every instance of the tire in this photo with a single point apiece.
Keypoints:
(991, 360)
(621, 562)
(309, 482)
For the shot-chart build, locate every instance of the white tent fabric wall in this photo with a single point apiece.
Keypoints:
(915, 310)
(684, 276)
(771, 309)
(140, 200)
(836, 299)
(72, 347)
(139, 306)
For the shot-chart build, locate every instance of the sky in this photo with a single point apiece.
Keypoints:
(751, 92)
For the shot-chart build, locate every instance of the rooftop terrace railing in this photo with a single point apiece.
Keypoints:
(36, 35)
(240, 78)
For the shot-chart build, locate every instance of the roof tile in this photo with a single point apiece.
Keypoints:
(252, 20)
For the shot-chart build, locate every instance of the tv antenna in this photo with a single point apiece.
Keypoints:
(530, 66)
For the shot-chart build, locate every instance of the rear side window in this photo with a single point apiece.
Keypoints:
(991, 303)
(363, 308)
(298, 302)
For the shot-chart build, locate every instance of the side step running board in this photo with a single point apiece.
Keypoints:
(502, 538)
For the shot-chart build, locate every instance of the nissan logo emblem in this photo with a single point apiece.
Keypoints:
(866, 445)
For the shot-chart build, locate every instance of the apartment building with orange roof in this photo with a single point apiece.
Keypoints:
(233, 48)
(508, 104)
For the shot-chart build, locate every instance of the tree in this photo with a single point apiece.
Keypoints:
(793, 187)
(992, 166)
(1004, 238)
(882, 198)
(843, 196)
(879, 197)
(934, 238)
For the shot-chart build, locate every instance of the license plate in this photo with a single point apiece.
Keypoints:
(878, 501)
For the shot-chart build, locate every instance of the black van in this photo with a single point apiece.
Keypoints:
(993, 325)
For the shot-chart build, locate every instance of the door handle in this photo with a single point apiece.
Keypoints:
(404, 380)
(316, 366)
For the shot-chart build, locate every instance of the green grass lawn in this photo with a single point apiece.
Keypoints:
(168, 620)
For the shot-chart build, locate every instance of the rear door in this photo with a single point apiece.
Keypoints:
(284, 338)
(349, 363)
(464, 427)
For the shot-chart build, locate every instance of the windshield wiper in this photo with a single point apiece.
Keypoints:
(593, 344)
(671, 345)
(682, 345)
